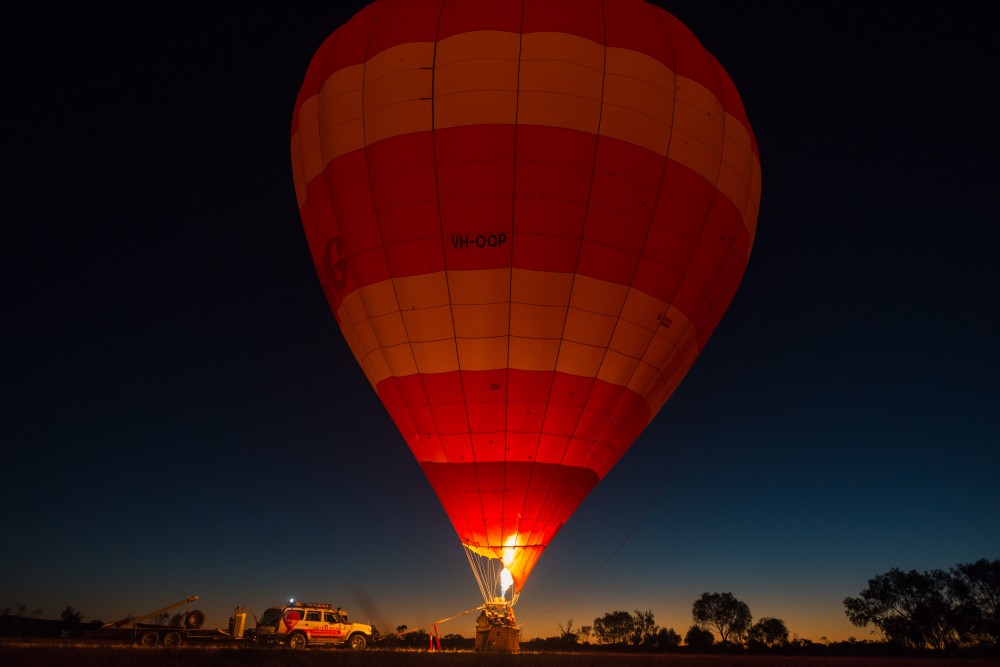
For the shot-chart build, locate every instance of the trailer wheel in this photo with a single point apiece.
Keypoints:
(172, 639)
(149, 638)
(194, 619)
(297, 641)
(357, 642)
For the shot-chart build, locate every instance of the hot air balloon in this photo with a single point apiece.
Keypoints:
(528, 217)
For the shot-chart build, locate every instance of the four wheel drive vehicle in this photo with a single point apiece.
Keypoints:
(311, 623)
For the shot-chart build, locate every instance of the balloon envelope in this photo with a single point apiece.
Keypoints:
(528, 218)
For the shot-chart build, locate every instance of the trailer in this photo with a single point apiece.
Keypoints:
(185, 627)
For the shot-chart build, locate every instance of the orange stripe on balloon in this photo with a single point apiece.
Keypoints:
(635, 25)
(400, 327)
(376, 322)
(475, 79)
(564, 81)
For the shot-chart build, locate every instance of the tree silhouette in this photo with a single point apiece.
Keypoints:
(614, 627)
(910, 608)
(644, 628)
(70, 615)
(699, 638)
(935, 609)
(729, 617)
(567, 633)
(975, 589)
(666, 639)
(768, 632)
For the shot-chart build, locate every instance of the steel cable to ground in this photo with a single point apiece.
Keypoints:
(649, 506)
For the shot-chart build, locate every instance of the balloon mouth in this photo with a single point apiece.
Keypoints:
(500, 571)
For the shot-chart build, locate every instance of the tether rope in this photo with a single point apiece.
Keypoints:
(443, 620)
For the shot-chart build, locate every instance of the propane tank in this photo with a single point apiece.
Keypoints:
(238, 622)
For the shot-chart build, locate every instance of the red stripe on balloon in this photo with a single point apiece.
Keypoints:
(515, 415)
(393, 225)
(533, 499)
(459, 17)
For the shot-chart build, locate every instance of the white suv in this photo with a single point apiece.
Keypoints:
(310, 623)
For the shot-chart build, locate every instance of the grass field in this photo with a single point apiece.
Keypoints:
(50, 653)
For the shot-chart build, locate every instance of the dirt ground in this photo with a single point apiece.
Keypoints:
(52, 653)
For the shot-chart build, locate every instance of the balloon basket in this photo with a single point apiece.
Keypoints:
(498, 639)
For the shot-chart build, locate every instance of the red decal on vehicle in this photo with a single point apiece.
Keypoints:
(291, 618)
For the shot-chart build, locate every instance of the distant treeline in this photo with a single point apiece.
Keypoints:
(953, 612)
(25, 626)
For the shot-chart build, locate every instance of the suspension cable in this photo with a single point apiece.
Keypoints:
(478, 570)
(487, 572)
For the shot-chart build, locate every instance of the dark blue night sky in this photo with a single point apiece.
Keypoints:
(182, 416)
